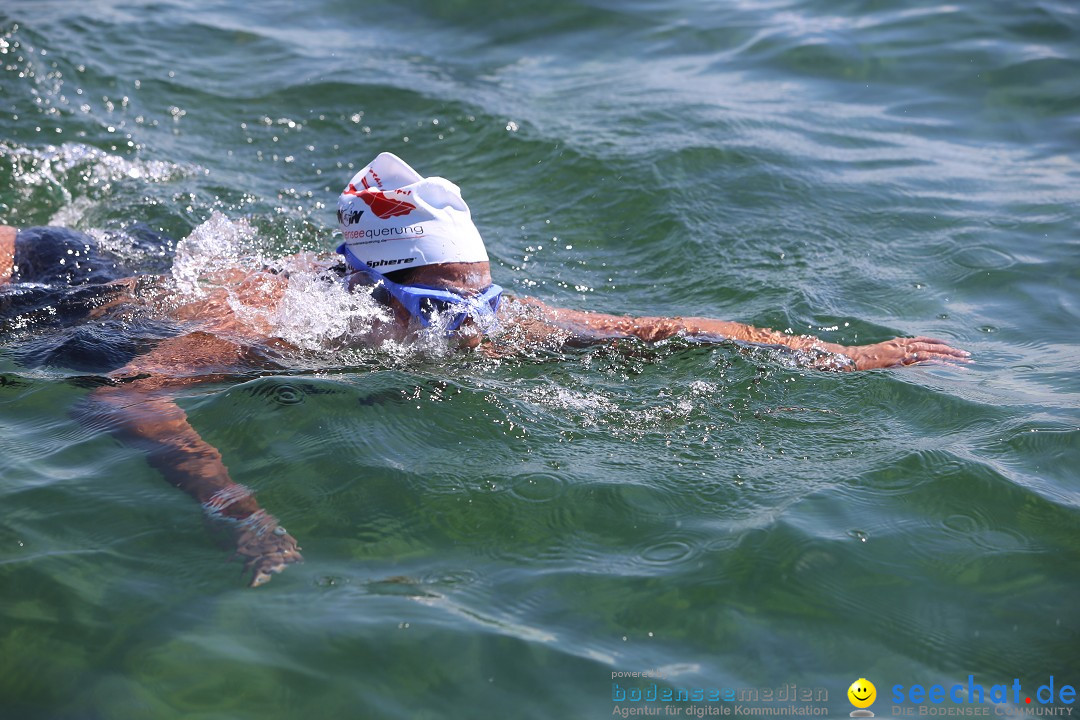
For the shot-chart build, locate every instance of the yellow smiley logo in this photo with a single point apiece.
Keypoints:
(862, 693)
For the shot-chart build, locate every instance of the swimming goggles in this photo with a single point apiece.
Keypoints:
(427, 304)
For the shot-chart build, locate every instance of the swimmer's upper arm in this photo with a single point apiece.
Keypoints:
(7, 252)
(187, 360)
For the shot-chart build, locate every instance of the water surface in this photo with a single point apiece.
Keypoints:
(497, 538)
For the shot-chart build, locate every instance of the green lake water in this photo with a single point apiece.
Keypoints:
(496, 539)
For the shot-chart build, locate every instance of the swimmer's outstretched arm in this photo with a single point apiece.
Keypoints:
(891, 353)
(143, 412)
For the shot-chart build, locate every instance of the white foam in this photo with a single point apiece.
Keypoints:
(48, 165)
(316, 313)
(213, 246)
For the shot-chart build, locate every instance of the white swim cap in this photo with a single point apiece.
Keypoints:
(392, 218)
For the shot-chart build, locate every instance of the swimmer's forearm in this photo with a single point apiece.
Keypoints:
(890, 353)
(156, 424)
(143, 411)
(148, 418)
(759, 336)
(653, 329)
(586, 325)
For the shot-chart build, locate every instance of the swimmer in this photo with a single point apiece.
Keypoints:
(407, 240)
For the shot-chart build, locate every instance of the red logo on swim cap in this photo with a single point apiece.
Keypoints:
(382, 204)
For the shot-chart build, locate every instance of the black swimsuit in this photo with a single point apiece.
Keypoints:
(60, 256)
(59, 277)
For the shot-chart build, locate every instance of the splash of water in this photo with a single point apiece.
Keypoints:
(213, 247)
(316, 312)
(79, 166)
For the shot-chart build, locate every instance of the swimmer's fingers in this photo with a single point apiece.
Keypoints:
(268, 548)
(264, 567)
(938, 347)
(924, 349)
(925, 359)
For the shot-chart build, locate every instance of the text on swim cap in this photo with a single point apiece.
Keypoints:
(406, 231)
(349, 217)
(381, 263)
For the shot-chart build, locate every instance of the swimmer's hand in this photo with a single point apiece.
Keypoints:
(265, 546)
(904, 351)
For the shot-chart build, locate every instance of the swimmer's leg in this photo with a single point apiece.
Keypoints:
(7, 252)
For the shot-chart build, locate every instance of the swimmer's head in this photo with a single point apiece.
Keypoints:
(392, 219)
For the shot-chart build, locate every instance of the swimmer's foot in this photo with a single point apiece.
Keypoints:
(266, 547)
